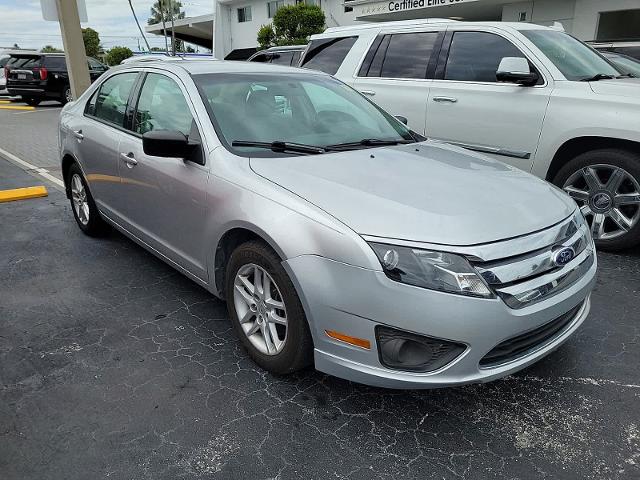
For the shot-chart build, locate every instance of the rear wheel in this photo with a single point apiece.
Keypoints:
(606, 185)
(84, 208)
(67, 96)
(265, 310)
(34, 102)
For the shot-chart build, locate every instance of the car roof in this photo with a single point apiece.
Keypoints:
(200, 66)
(285, 48)
(443, 22)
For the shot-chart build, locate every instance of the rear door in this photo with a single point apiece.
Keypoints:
(57, 74)
(98, 134)
(396, 73)
(163, 199)
(468, 106)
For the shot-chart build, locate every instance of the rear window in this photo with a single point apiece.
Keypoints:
(327, 54)
(403, 55)
(24, 62)
(57, 63)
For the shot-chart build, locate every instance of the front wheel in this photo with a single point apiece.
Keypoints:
(265, 310)
(606, 185)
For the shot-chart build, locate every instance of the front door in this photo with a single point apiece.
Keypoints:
(164, 198)
(394, 74)
(467, 105)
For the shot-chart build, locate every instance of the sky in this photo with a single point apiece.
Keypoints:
(21, 22)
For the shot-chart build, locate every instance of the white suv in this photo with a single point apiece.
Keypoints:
(531, 96)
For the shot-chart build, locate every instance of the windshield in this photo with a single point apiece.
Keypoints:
(573, 58)
(301, 109)
(625, 64)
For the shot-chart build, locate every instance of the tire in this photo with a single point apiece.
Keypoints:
(84, 208)
(296, 350)
(611, 199)
(34, 102)
(67, 96)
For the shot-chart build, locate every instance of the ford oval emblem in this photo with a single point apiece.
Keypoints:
(563, 256)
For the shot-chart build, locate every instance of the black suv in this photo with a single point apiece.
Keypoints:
(43, 76)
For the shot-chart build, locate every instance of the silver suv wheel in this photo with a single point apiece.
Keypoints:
(260, 308)
(609, 198)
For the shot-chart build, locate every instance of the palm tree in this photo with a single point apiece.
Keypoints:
(157, 15)
(135, 17)
(163, 10)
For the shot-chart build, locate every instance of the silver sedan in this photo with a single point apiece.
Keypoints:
(337, 236)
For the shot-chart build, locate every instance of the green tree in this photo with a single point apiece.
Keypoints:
(91, 41)
(161, 10)
(50, 49)
(117, 55)
(266, 36)
(292, 25)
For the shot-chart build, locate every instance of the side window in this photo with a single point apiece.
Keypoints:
(55, 63)
(475, 56)
(282, 58)
(261, 58)
(111, 99)
(403, 55)
(162, 106)
(327, 55)
(94, 64)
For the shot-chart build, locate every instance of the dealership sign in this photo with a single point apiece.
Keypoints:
(393, 6)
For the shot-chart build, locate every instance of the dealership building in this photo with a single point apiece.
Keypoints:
(232, 28)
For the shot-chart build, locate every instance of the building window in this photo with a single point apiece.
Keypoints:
(308, 2)
(244, 14)
(522, 17)
(272, 7)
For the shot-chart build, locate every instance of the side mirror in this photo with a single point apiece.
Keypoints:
(170, 144)
(402, 119)
(516, 70)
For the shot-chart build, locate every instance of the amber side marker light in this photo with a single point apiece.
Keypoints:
(358, 342)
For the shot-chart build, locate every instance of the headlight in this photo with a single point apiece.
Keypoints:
(434, 270)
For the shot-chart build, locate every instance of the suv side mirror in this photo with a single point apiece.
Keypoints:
(402, 119)
(170, 144)
(516, 70)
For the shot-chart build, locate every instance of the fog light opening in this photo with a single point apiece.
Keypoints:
(408, 351)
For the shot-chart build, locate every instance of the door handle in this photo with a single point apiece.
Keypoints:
(445, 99)
(370, 93)
(129, 159)
(78, 134)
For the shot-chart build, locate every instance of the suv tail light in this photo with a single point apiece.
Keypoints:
(42, 72)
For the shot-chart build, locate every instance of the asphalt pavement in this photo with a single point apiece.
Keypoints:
(113, 365)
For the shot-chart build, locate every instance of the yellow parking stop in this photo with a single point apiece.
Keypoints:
(22, 193)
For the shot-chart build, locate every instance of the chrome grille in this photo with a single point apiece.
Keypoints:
(531, 277)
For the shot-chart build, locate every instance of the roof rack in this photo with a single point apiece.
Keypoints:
(397, 23)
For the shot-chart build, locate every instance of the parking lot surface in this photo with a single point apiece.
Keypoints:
(113, 365)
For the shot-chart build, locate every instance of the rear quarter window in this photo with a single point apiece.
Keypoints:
(327, 54)
(55, 63)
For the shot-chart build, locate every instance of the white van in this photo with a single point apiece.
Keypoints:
(531, 96)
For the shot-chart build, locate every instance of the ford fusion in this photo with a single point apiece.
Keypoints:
(337, 236)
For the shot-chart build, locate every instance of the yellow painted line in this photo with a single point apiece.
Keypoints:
(15, 107)
(5, 101)
(22, 193)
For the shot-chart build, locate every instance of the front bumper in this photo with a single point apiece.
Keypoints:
(353, 300)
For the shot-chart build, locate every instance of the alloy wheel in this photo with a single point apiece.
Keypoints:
(68, 96)
(609, 198)
(79, 198)
(260, 309)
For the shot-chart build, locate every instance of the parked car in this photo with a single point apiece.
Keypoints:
(5, 55)
(624, 63)
(629, 48)
(286, 55)
(528, 95)
(335, 233)
(44, 76)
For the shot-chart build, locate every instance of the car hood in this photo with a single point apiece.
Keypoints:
(622, 87)
(428, 192)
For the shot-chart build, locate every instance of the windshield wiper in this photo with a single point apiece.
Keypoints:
(367, 142)
(280, 146)
(596, 77)
(627, 75)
